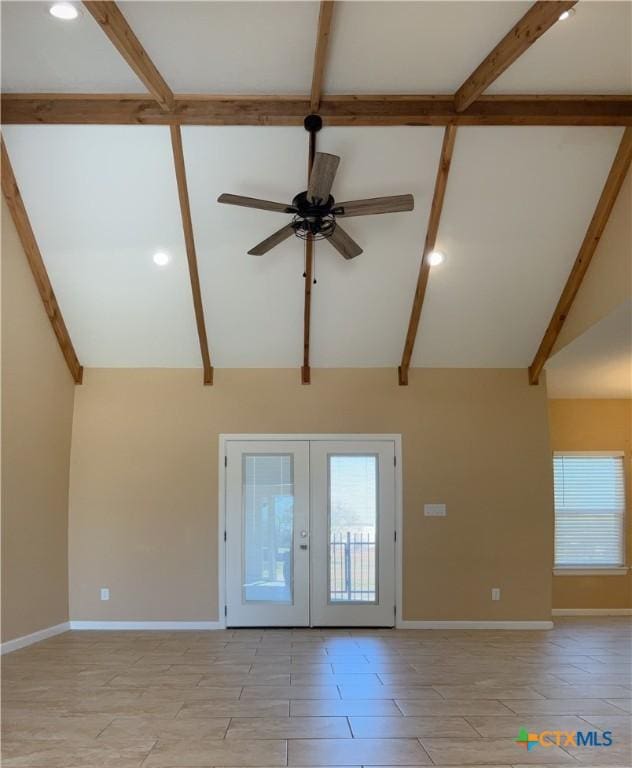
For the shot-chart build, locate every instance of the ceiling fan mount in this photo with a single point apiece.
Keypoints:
(313, 123)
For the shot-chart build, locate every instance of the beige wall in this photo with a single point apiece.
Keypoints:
(143, 502)
(608, 281)
(594, 425)
(37, 402)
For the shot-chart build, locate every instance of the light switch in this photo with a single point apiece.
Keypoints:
(435, 510)
(105, 593)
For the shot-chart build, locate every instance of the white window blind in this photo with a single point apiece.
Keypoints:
(589, 509)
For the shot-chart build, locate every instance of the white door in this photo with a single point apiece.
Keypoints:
(267, 533)
(310, 532)
(352, 533)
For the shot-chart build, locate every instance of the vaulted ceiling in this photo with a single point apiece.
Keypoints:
(102, 199)
(598, 364)
(267, 47)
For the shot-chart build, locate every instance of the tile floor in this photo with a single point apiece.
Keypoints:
(310, 698)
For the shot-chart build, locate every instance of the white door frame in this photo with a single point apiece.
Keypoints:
(221, 517)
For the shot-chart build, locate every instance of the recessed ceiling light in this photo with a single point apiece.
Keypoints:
(566, 14)
(65, 11)
(435, 258)
(161, 259)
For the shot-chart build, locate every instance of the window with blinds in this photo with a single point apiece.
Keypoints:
(589, 510)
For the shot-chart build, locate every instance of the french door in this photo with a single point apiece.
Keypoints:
(353, 533)
(310, 532)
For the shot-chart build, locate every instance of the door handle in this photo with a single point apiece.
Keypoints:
(303, 546)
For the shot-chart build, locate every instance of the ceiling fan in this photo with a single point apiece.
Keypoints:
(316, 213)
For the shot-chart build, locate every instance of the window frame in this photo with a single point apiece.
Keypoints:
(596, 570)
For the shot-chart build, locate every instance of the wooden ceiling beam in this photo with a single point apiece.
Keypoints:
(20, 218)
(109, 17)
(325, 17)
(618, 171)
(115, 26)
(536, 21)
(439, 110)
(187, 225)
(438, 197)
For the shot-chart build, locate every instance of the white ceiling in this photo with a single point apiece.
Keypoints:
(597, 364)
(267, 47)
(102, 200)
(516, 210)
(40, 53)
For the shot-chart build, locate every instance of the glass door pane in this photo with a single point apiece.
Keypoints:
(267, 533)
(353, 529)
(268, 498)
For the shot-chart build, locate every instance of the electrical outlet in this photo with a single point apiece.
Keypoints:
(435, 510)
(495, 593)
(105, 593)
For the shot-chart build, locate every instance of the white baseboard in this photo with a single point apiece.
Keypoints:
(405, 624)
(591, 612)
(34, 637)
(119, 625)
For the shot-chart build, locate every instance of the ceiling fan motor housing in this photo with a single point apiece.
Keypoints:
(313, 218)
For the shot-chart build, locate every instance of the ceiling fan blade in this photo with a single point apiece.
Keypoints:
(344, 244)
(322, 176)
(376, 205)
(254, 202)
(278, 237)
